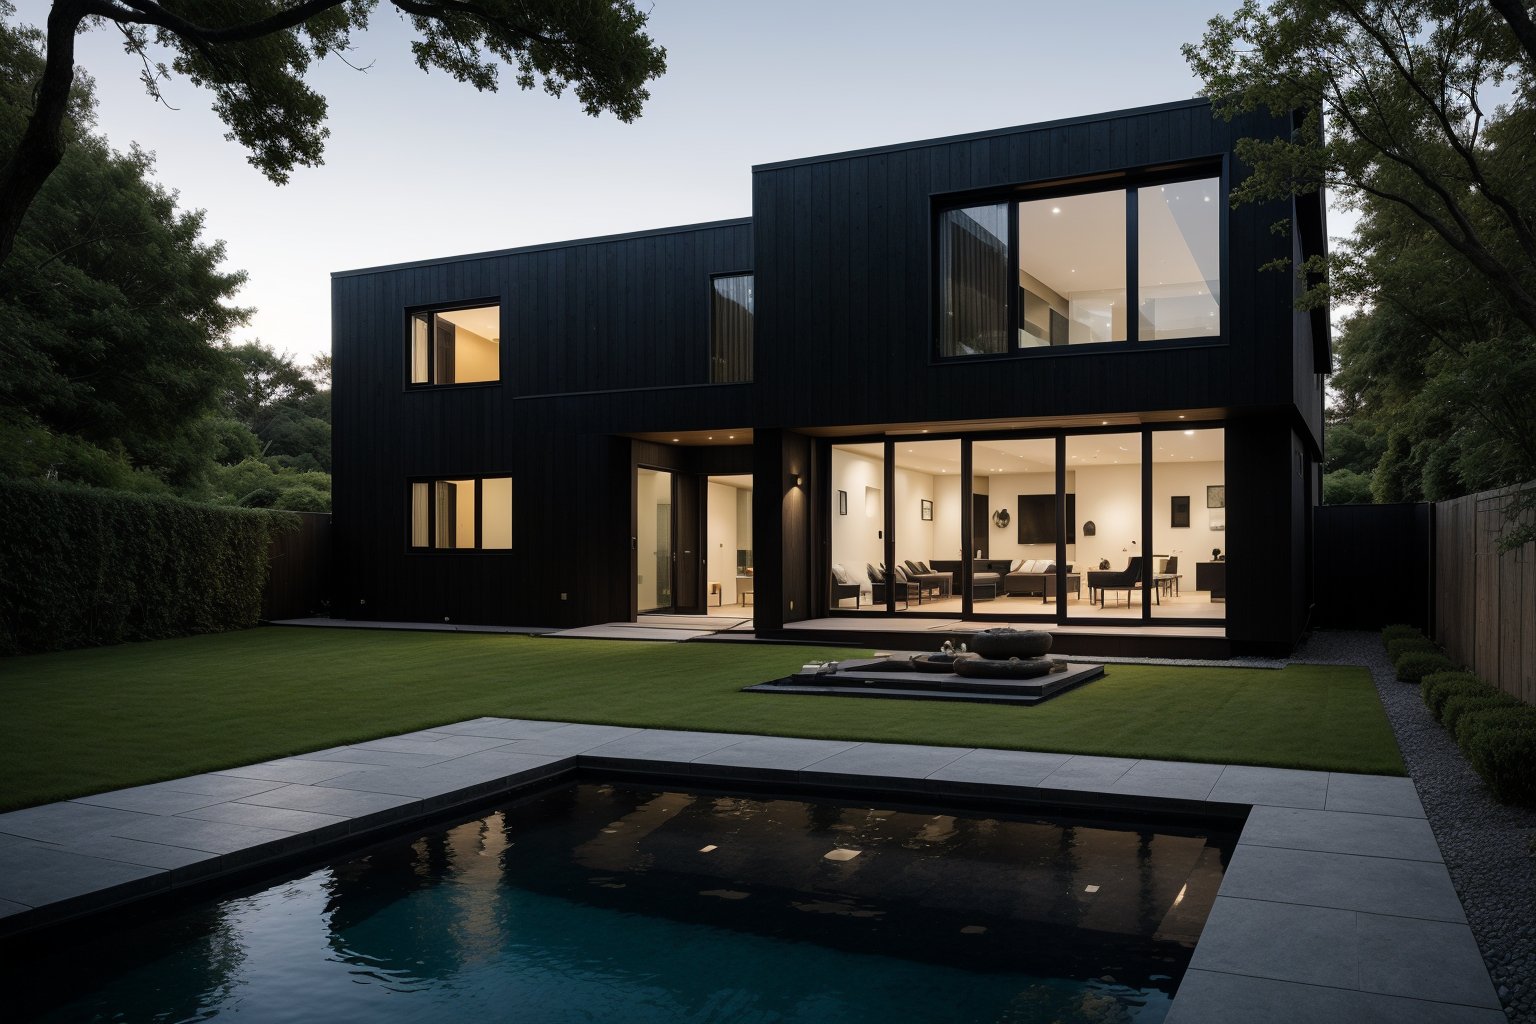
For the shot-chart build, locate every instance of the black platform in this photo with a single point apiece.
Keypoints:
(856, 678)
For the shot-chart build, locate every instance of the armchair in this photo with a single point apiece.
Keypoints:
(1129, 579)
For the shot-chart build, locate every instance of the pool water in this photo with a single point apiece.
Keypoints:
(621, 903)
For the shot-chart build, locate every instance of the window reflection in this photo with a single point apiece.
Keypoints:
(1072, 270)
(1179, 260)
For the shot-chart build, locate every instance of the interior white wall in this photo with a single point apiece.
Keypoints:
(743, 523)
(914, 535)
(1194, 544)
(856, 536)
(948, 519)
(475, 357)
(1005, 489)
(649, 486)
(1110, 497)
(721, 527)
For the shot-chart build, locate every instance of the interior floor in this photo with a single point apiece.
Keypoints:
(1185, 605)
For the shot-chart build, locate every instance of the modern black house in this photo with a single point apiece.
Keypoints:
(1030, 374)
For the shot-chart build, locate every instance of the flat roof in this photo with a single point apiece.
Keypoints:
(545, 246)
(990, 133)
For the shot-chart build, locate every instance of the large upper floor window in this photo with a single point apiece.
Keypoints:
(461, 514)
(1071, 269)
(730, 328)
(455, 346)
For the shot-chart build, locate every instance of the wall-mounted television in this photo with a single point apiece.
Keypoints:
(1037, 519)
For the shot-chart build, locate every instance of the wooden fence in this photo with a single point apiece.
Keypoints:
(299, 570)
(1485, 600)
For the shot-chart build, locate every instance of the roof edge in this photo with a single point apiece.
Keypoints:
(989, 133)
(543, 247)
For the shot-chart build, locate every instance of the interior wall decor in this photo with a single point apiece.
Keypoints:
(1178, 514)
(1089, 529)
(842, 503)
(927, 508)
(1216, 496)
(1001, 519)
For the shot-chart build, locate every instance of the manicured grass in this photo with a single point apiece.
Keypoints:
(86, 721)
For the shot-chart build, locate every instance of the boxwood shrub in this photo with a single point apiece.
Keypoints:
(1397, 648)
(1413, 666)
(1398, 631)
(1502, 750)
(1437, 686)
(1460, 704)
(1507, 711)
(84, 566)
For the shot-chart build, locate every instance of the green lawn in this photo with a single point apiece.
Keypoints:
(85, 721)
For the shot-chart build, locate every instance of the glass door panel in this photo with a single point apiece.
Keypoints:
(653, 540)
(932, 501)
(1018, 480)
(1104, 486)
(857, 494)
(1189, 523)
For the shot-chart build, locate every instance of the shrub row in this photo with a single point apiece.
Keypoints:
(84, 566)
(1496, 731)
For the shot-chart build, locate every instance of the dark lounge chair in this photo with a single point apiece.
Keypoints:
(1168, 579)
(1129, 579)
(905, 590)
(844, 587)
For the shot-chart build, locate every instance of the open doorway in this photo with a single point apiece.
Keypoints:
(730, 576)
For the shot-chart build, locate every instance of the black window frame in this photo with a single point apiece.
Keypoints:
(479, 500)
(412, 312)
(1129, 183)
(752, 343)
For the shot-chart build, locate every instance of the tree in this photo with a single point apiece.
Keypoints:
(1431, 133)
(110, 315)
(253, 55)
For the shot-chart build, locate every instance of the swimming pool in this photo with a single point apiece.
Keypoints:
(636, 902)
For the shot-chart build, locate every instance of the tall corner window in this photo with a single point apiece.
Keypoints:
(1179, 259)
(1078, 258)
(730, 328)
(461, 514)
(455, 346)
(973, 280)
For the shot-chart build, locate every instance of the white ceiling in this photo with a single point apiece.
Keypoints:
(1038, 455)
(483, 320)
(741, 482)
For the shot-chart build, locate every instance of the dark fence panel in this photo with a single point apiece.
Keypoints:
(299, 570)
(1372, 565)
(1485, 611)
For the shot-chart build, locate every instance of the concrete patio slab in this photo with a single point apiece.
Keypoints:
(221, 786)
(62, 822)
(135, 851)
(194, 834)
(280, 818)
(563, 742)
(151, 801)
(871, 763)
(1088, 773)
(1206, 997)
(1369, 835)
(1373, 794)
(291, 769)
(1402, 888)
(37, 874)
(1172, 780)
(1000, 768)
(1275, 787)
(346, 803)
(669, 745)
(773, 752)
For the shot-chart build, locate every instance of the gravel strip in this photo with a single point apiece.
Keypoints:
(1486, 845)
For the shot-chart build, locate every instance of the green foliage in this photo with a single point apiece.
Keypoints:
(1459, 704)
(1346, 487)
(1502, 750)
(87, 567)
(1430, 115)
(1397, 648)
(1437, 687)
(1500, 709)
(1413, 666)
(1399, 630)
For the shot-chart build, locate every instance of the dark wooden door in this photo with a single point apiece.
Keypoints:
(688, 543)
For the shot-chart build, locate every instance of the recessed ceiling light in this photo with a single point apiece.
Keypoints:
(1189, 433)
(1055, 209)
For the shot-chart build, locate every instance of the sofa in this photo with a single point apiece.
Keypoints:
(1034, 578)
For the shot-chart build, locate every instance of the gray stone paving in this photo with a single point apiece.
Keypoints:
(1336, 904)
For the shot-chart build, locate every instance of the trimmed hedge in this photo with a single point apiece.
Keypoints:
(1502, 750)
(84, 566)
(1413, 666)
(1397, 648)
(1504, 710)
(1398, 631)
(1461, 704)
(1437, 687)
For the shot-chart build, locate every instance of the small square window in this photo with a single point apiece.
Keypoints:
(455, 346)
(461, 514)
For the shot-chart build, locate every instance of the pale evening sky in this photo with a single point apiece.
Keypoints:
(418, 165)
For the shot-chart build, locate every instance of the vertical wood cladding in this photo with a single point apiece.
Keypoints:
(607, 337)
(845, 281)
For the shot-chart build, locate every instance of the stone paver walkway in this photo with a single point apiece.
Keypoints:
(1335, 906)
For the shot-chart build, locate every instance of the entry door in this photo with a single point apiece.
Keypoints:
(687, 544)
(654, 570)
